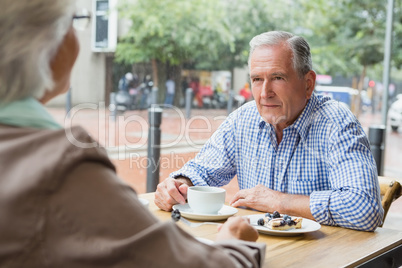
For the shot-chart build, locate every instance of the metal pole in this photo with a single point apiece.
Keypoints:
(230, 101)
(112, 105)
(154, 142)
(189, 101)
(377, 144)
(68, 102)
(154, 95)
(387, 60)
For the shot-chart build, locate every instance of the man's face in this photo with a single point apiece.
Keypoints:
(279, 92)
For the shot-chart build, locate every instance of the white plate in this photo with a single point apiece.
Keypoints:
(187, 212)
(144, 202)
(205, 241)
(307, 227)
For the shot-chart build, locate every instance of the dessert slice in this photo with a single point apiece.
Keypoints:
(276, 221)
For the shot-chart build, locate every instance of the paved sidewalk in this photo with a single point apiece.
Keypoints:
(126, 142)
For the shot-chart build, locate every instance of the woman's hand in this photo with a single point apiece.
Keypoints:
(237, 228)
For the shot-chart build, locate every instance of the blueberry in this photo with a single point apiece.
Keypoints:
(285, 217)
(283, 222)
(268, 215)
(260, 222)
(289, 222)
(176, 215)
(276, 215)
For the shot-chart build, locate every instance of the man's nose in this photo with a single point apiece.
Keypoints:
(267, 91)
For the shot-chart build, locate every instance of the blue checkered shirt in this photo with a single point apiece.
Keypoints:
(324, 154)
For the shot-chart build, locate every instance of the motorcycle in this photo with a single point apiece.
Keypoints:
(122, 101)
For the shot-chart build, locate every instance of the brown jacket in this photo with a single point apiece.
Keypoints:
(62, 205)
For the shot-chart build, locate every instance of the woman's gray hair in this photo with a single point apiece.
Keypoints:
(31, 32)
(301, 55)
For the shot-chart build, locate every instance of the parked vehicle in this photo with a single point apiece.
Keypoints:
(123, 101)
(345, 95)
(342, 94)
(395, 113)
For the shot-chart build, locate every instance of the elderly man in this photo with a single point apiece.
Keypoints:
(292, 151)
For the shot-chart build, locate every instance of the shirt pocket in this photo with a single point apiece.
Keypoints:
(303, 166)
(298, 180)
(306, 174)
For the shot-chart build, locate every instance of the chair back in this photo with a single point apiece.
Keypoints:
(390, 191)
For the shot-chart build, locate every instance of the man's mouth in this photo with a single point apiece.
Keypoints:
(271, 105)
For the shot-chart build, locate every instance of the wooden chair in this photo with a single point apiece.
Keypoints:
(390, 191)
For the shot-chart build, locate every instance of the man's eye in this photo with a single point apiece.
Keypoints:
(278, 78)
(256, 79)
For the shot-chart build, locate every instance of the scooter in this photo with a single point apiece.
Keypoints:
(122, 101)
(219, 101)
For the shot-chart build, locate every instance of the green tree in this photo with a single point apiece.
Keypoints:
(349, 36)
(348, 32)
(168, 33)
(247, 18)
(203, 34)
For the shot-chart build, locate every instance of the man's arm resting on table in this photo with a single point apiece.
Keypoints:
(293, 204)
(264, 199)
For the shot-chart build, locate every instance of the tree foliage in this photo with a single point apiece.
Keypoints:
(349, 35)
(171, 30)
(345, 35)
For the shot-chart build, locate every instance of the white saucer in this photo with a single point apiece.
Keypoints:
(307, 227)
(144, 202)
(223, 214)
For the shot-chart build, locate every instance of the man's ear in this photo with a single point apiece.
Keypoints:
(310, 83)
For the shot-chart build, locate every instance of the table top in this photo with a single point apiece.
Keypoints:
(327, 247)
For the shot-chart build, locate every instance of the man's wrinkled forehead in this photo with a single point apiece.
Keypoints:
(283, 45)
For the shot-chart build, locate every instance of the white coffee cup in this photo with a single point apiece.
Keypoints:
(206, 199)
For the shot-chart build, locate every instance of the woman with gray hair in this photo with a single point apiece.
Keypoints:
(62, 205)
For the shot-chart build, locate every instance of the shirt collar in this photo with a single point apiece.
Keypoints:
(303, 122)
(27, 112)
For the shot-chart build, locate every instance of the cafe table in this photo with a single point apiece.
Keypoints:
(327, 247)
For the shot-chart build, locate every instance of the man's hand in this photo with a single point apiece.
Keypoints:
(170, 192)
(264, 199)
(237, 228)
(260, 198)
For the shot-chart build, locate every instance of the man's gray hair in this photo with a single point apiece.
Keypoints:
(31, 32)
(301, 55)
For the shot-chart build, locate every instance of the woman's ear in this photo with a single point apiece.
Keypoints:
(310, 83)
(62, 65)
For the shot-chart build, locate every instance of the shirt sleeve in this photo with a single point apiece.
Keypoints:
(354, 199)
(95, 220)
(215, 164)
